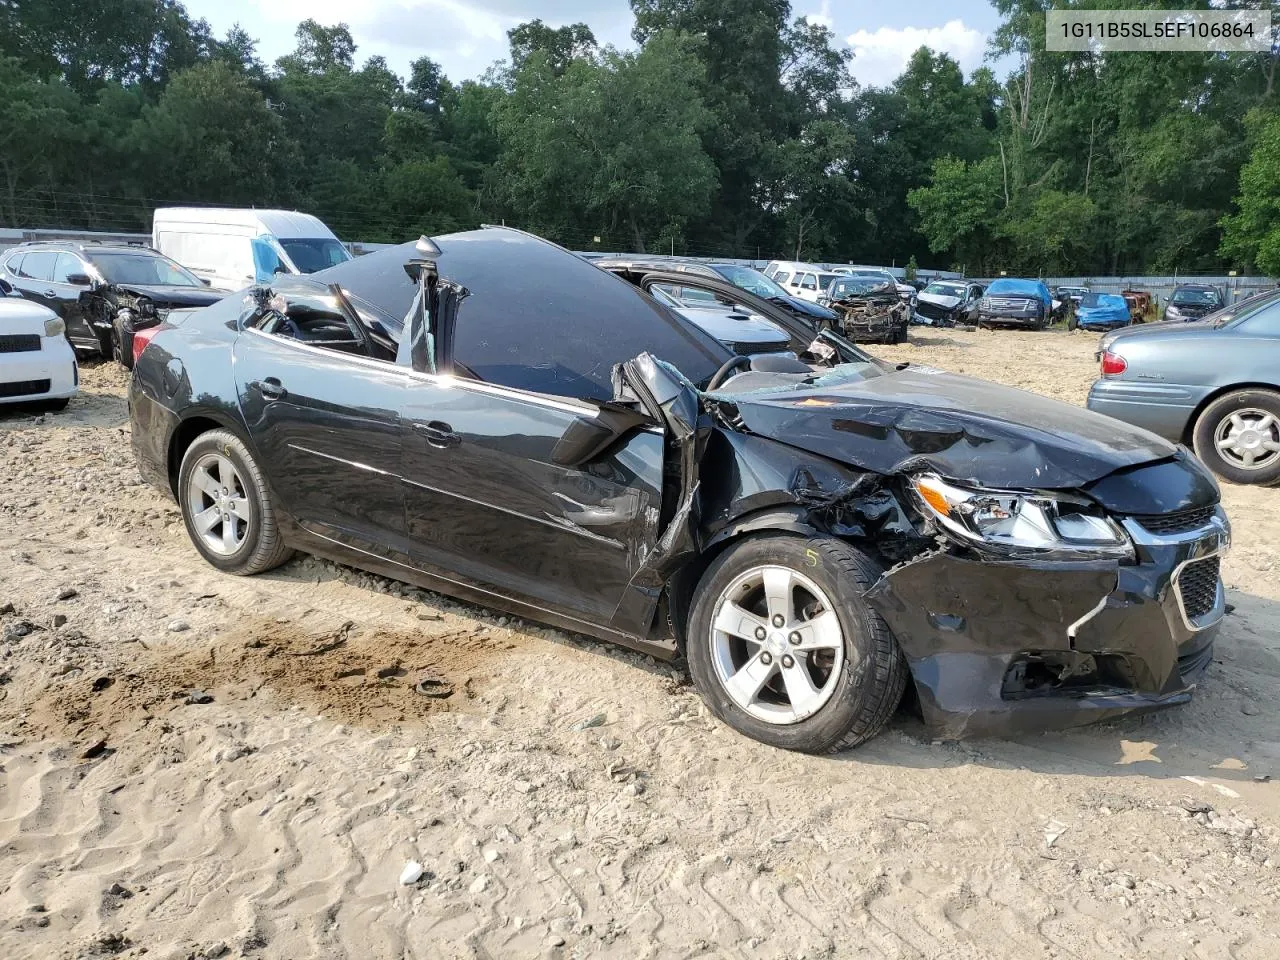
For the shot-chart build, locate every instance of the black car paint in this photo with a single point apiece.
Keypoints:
(453, 484)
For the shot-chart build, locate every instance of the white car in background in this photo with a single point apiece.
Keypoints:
(801, 279)
(37, 364)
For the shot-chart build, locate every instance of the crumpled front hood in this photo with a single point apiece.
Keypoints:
(965, 429)
(171, 296)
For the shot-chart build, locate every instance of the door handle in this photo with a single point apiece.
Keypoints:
(438, 434)
(271, 388)
(51, 293)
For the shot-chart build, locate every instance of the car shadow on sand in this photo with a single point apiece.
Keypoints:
(1228, 733)
(1227, 736)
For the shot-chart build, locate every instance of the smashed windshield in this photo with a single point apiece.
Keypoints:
(860, 286)
(837, 376)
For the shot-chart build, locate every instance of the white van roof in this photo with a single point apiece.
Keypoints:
(280, 223)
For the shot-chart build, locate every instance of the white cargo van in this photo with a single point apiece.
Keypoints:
(235, 248)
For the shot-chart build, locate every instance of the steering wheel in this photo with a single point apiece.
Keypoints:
(726, 368)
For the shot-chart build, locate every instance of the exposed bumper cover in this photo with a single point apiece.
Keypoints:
(998, 647)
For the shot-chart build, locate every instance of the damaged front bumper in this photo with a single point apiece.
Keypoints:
(998, 647)
(872, 321)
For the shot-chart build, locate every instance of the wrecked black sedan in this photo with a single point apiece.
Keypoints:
(492, 417)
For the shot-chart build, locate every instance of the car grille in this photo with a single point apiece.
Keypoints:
(1198, 587)
(19, 342)
(1180, 522)
(1008, 303)
(768, 346)
(23, 388)
(932, 310)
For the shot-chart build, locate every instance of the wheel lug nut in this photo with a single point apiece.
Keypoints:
(761, 633)
(794, 638)
(787, 661)
(766, 658)
(224, 491)
(778, 620)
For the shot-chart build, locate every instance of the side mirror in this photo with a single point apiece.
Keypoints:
(79, 279)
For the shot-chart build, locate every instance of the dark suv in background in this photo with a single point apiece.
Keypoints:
(1191, 301)
(103, 292)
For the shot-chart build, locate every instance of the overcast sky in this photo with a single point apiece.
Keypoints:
(466, 36)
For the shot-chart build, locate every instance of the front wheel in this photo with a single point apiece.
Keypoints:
(227, 508)
(783, 647)
(1238, 436)
(122, 341)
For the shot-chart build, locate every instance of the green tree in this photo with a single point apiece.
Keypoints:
(958, 210)
(1252, 233)
(560, 45)
(614, 143)
(212, 138)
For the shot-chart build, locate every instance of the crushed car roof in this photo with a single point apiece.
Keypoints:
(516, 281)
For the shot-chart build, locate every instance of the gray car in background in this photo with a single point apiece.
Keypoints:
(1213, 383)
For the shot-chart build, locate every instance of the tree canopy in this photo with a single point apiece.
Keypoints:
(732, 128)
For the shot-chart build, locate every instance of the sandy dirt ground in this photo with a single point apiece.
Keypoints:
(198, 765)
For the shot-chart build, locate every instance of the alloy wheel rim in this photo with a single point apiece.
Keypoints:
(218, 504)
(777, 646)
(1248, 438)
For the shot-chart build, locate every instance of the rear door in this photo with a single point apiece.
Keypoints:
(325, 418)
(34, 279)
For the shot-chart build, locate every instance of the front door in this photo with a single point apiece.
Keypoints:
(326, 423)
(73, 299)
(485, 501)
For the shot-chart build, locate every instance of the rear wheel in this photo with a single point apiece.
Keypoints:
(1238, 436)
(783, 647)
(227, 508)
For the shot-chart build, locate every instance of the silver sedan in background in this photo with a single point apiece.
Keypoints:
(1214, 384)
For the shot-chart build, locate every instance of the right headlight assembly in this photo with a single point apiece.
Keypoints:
(1022, 524)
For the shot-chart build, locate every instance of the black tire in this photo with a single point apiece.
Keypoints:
(263, 548)
(873, 673)
(106, 341)
(1073, 322)
(122, 342)
(1219, 411)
